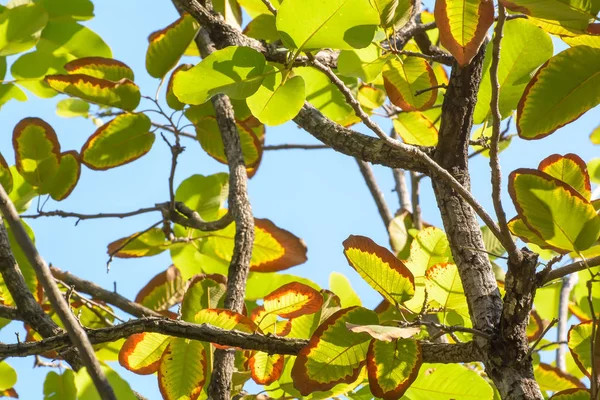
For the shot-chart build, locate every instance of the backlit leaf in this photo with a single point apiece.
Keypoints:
(380, 269)
(37, 152)
(8, 376)
(87, 390)
(262, 28)
(518, 228)
(67, 175)
(418, 128)
(141, 353)
(595, 135)
(403, 78)
(572, 394)
(340, 285)
(333, 355)
(432, 384)
(570, 169)
(576, 13)
(445, 286)
(100, 67)
(30, 69)
(266, 368)
(269, 323)
(204, 291)
(400, 239)
(257, 7)
(338, 24)
(166, 46)
(276, 102)
(78, 10)
(123, 94)
(204, 194)
(293, 300)
(120, 141)
(73, 40)
(463, 25)
(555, 211)
(163, 291)
(183, 369)
(60, 387)
(172, 100)
(365, 64)
(20, 28)
(392, 366)
(147, 244)
(429, 247)
(225, 319)
(579, 339)
(234, 71)
(582, 40)
(6, 178)
(563, 89)
(384, 333)
(69, 108)
(553, 379)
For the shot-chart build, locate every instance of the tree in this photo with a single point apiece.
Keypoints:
(458, 317)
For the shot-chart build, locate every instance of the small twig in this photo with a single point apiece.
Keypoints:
(544, 276)
(446, 328)
(441, 58)
(296, 147)
(80, 217)
(416, 203)
(546, 329)
(172, 130)
(111, 255)
(270, 7)
(563, 318)
(441, 86)
(185, 216)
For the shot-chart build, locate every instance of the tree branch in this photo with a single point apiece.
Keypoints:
(74, 329)
(562, 329)
(416, 203)
(10, 313)
(65, 214)
(384, 211)
(295, 147)
(544, 277)
(185, 216)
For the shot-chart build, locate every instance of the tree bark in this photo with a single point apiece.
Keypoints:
(506, 356)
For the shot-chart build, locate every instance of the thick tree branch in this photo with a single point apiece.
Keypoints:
(74, 329)
(544, 277)
(384, 211)
(10, 313)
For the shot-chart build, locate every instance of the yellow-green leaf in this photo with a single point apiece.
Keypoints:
(444, 285)
(163, 291)
(183, 369)
(69, 108)
(100, 67)
(293, 300)
(418, 128)
(141, 352)
(172, 100)
(392, 366)
(403, 78)
(144, 244)
(67, 175)
(570, 169)
(20, 28)
(6, 178)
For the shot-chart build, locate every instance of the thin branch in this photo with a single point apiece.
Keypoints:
(296, 147)
(537, 342)
(510, 246)
(568, 283)
(270, 7)
(544, 277)
(172, 130)
(74, 329)
(104, 295)
(80, 217)
(415, 186)
(442, 58)
(384, 211)
(441, 86)
(185, 216)
(432, 353)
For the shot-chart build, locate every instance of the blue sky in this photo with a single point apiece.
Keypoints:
(318, 195)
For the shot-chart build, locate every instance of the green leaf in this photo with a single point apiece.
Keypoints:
(266, 368)
(432, 384)
(574, 12)
(123, 94)
(203, 292)
(234, 71)
(445, 286)
(166, 46)
(100, 67)
(418, 128)
(463, 25)
(120, 141)
(562, 90)
(37, 152)
(6, 178)
(579, 339)
(142, 352)
(338, 24)
(492, 245)
(365, 64)
(30, 69)
(429, 247)
(293, 300)
(570, 169)
(60, 387)
(324, 95)
(146, 244)
(403, 78)
(9, 91)
(8, 376)
(392, 366)
(72, 39)
(87, 390)
(225, 319)
(20, 28)
(172, 100)
(260, 284)
(518, 61)
(70, 108)
(393, 13)
(78, 10)
(333, 355)
(204, 194)
(572, 394)
(255, 8)
(555, 211)
(400, 239)
(67, 175)
(22, 192)
(595, 135)
(340, 285)
(552, 379)
(380, 269)
(276, 102)
(163, 291)
(262, 27)
(594, 169)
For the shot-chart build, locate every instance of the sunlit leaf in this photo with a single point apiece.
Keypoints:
(166, 46)
(257, 7)
(204, 291)
(404, 78)
(20, 28)
(172, 100)
(73, 40)
(163, 291)
(100, 67)
(10, 91)
(432, 384)
(262, 27)
(392, 366)
(340, 285)
(183, 369)
(400, 239)
(418, 128)
(69, 108)
(555, 211)
(204, 194)
(333, 355)
(8, 376)
(266, 368)
(518, 228)
(338, 24)
(553, 379)
(575, 13)
(579, 339)
(562, 90)
(120, 141)
(269, 323)
(293, 300)
(123, 94)
(365, 64)
(429, 247)
(146, 244)
(234, 71)
(380, 269)
(570, 169)
(30, 69)
(384, 333)
(60, 387)
(78, 10)
(67, 175)
(141, 353)
(463, 25)
(6, 178)
(572, 394)
(225, 319)
(87, 390)
(445, 286)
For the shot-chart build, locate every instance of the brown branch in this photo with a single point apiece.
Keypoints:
(432, 353)
(185, 216)
(296, 147)
(440, 57)
(74, 329)
(562, 329)
(104, 295)
(544, 277)
(65, 214)
(384, 211)
(401, 189)
(507, 242)
(11, 313)
(415, 186)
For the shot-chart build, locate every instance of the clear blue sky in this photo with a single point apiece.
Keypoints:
(318, 195)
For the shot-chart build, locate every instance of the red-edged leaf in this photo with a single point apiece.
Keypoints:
(572, 394)
(266, 368)
(12, 393)
(380, 268)
(146, 244)
(37, 152)
(67, 176)
(403, 78)
(268, 323)
(204, 291)
(225, 319)
(163, 291)
(275, 249)
(579, 339)
(183, 369)
(172, 100)
(463, 25)
(553, 379)
(570, 169)
(6, 178)
(293, 300)
(100, 67)
(333, 355)
(141, 352)
(535, 327)
(392, 367)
